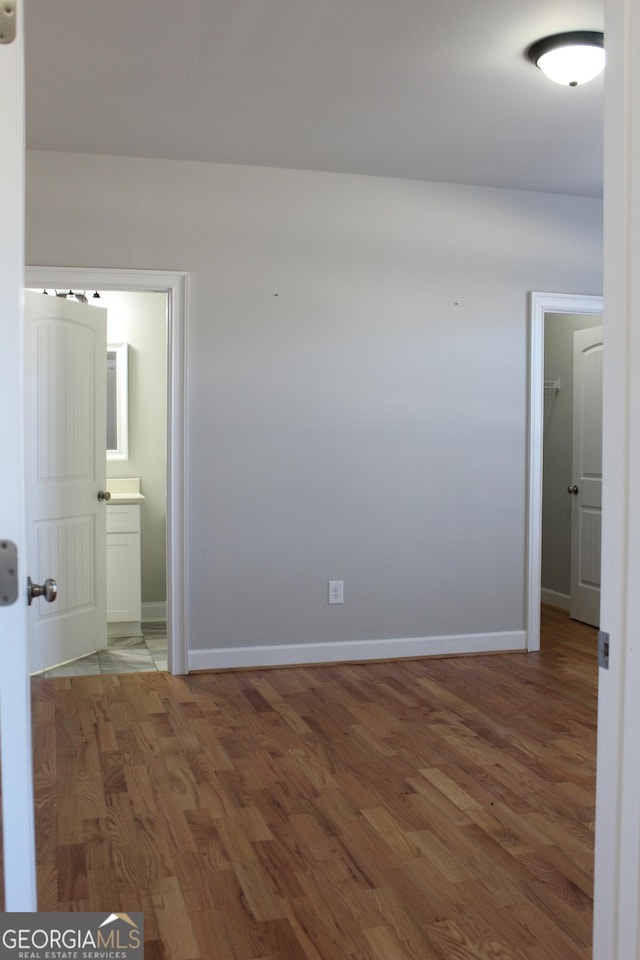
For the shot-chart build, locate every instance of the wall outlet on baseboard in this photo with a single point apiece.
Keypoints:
(336, 591)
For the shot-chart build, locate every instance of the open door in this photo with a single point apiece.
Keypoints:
(15, 719)
(586, 484)
(65, 431)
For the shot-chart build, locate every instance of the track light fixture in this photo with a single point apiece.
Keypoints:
(73, 295)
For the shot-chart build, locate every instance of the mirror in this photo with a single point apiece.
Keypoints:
(117, 401)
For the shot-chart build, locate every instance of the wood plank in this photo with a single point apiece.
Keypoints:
(438, 809)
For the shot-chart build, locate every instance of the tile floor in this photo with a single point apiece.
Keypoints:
(123, 655)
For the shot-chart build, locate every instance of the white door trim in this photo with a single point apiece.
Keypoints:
(175, 285)
(542, 303)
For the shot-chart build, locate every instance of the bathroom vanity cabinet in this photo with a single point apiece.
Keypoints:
(124, 606)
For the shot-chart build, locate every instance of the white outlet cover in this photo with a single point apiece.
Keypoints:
(336, 591)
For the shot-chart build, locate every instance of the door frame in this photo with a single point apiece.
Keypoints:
(175, 286)
(541, 304)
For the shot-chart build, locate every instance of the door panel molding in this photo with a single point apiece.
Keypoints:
(541, 304)
(175, 285)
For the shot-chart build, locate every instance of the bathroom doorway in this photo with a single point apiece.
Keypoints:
(159, 337)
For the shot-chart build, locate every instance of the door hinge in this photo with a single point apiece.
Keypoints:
(603, 649)
(8, 573)
(7, 21)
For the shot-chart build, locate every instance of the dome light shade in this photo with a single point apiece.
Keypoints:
(570, 58)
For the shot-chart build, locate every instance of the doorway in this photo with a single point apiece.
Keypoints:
(566, 581)
(543, 304)
(174, 287)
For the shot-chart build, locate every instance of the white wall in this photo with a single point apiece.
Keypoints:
(557, 453)
(357, 382)
(139, 319)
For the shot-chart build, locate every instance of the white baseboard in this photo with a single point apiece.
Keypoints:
(354, 651)
(554, 599)
(154, 612)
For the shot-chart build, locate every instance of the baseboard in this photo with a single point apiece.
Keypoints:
(123, 628)
(554, 599)
(154, 612)
(354, 651)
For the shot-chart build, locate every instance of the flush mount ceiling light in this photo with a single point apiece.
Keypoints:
(570, 58)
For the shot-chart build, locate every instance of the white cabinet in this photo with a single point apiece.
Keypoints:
(124, 607)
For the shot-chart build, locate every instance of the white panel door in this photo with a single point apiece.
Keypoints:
(18, 852)
(586, 484)
(65, 348)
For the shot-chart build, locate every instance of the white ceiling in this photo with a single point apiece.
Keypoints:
(426, 89)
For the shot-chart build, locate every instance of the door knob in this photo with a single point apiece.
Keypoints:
(104, 495)
(572, 488)
(48, 590)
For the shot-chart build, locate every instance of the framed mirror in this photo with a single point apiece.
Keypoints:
(117, 401)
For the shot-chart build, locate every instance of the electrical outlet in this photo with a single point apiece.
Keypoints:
(336, 591)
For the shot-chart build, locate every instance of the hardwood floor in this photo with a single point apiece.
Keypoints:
(420, 810)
